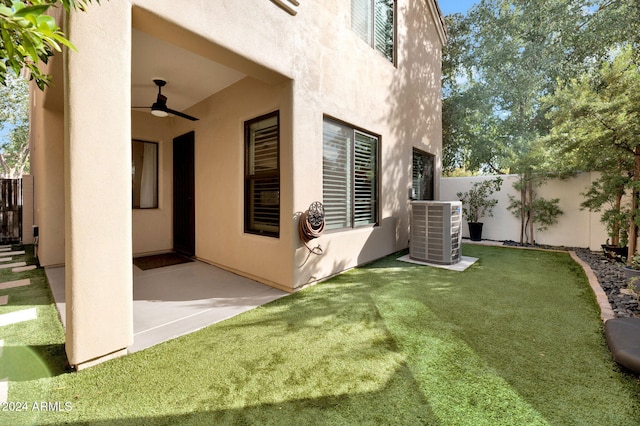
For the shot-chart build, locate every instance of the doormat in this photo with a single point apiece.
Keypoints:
(160, 260)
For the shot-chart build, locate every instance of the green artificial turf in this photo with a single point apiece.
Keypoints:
(514, 340)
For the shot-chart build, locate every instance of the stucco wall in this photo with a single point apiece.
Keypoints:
(575, 228)
(306, 66)
(152, 228)
(325, 69)
(47, 165)
(219, 181)
(351, 82)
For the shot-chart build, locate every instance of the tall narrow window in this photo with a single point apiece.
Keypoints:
(144, 174)
(350, 176)
(422, 175)
(262, 175)
(374, 22)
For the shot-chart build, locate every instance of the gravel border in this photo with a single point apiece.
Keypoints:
(611, 278)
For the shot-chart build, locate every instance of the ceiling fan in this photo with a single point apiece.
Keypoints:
(159, 107)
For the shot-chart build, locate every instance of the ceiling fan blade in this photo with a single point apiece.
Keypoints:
(140, 107)
(180, 114)
(161, 104)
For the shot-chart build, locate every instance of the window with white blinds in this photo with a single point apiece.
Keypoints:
(350, 176)
(262, 175)
(374, 22)
(422, 175)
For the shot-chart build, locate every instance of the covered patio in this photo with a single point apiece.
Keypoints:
(175, 300)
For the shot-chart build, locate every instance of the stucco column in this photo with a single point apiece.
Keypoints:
(98, 254)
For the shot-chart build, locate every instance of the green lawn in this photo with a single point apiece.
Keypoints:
(514, 340)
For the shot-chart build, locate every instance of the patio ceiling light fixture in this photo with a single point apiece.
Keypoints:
(159, 107)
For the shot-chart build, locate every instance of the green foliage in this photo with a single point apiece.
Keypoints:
(596, 126)
(534, 212)
(476, 202)
(542, 212)
(14, 120)
(605, 195)
(29, 36)
(504, 57)
(596, 116)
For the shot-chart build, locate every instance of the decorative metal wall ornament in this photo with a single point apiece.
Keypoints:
(311, 224)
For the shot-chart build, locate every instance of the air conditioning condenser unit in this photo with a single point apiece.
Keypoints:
(436, 232)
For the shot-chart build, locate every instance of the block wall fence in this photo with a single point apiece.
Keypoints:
(575, 228)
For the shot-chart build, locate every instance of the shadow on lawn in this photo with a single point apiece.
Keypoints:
(24, 363)
(400, 401)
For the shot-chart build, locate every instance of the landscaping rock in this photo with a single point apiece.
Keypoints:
(611, 278)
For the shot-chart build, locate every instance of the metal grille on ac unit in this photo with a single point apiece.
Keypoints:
(436, 235)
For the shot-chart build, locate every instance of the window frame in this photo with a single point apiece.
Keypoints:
(251, 178)
(371, 37)
(351, 219)
(157, 176)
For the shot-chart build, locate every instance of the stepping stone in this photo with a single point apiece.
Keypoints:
(4, 300)
(12, 265)
(11, 253)
(6, 259)
(4, 390)
(18, 316)
(623, 338)
(24, 268)
(4, 383)
(16, 283)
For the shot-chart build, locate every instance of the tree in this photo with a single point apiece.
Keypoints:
(30, 36)
(534, 212)
(596, 125)
(504, 57)
(14, 123)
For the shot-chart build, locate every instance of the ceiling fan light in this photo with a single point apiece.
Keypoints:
(159, 113)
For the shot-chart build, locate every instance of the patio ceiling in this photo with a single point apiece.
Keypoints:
(190, 78)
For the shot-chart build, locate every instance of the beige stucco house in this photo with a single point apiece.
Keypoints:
(336, 101)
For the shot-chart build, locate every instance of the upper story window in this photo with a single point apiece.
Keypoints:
(374, 22)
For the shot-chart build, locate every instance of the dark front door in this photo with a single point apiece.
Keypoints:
(184, 213)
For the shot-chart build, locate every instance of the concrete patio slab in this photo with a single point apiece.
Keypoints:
(465, 262)
(176, 300)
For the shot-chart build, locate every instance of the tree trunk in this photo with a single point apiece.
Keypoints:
(615, 231)
(532, 240)
(523, 206)
(633, 235)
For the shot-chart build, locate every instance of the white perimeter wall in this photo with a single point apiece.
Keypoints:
(575, 228)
